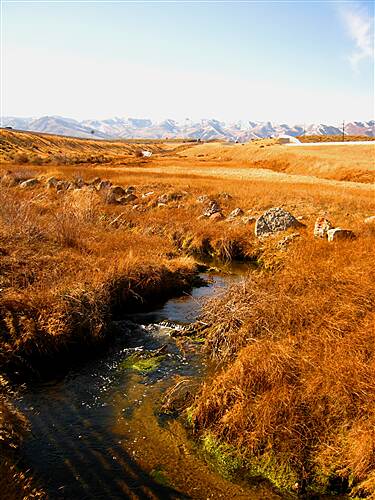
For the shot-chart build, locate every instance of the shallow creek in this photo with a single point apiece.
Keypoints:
(97, 432)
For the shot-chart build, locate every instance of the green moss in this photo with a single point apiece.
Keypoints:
(158, 475)
(143, 365)
(225, 458)
(276, 469)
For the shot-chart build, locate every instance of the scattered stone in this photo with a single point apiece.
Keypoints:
(340, 234)
(62, 186)
(370, 220)
(163, 199)
(103, 185)
(237, 212)
(78, 183)
(274, 220)
(321, 227)
(95, 182)
(248, 219)
(161, 205)
(212, 208)
(117, 191)
(216, 216)
(203, 198)
(146, 195)
(51, 182)
(29, 183)
(284, 242)
(128, 198)
(225, 196)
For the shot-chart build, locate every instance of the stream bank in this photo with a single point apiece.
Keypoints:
(97, 431)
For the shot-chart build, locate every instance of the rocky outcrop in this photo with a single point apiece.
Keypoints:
(275, 220)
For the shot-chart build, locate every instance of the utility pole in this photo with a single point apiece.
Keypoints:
(343, 131)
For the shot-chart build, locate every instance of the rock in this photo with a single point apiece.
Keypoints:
(340, 234)
(117, 191)
(163, 199)
(225, 196)
(146, 195)
(51, 182)
(130, 189)
(62, 186)
(248, 219)
(128, 198)
(95, 182)
(103, 185)
(212, 208)
(274, 220)
(237, 212)
(78, 183)
(203, 198)
(321, 227)
(284, 242)
(161, 205)
(370, 220)
(29, 183)
(216, 216)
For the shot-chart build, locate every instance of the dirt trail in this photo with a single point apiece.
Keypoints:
(242, 173)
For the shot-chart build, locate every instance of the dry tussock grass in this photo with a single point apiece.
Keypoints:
(297, 387)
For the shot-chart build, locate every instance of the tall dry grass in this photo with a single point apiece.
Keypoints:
(296, 388)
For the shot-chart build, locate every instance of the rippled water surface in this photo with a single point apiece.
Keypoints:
(97, 432)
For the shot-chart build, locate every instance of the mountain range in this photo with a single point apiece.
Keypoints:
(136, 128)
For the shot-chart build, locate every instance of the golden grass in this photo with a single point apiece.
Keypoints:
(297, 387)
(295, 343)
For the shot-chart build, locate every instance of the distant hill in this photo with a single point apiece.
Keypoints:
(132, 128)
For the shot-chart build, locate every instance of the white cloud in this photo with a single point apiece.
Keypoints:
(360, 27)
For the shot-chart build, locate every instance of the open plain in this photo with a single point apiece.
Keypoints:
(92, 229)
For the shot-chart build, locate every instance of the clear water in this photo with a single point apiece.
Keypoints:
(97, 432)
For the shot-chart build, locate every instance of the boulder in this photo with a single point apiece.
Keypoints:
(321, 227)
(237, 212)
(128, 198)
(274, 220)
(340, 234)
(212, 208)
(117, 191)
(29, 183)
(216, 216)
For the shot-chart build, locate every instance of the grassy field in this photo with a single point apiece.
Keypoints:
(294, 345)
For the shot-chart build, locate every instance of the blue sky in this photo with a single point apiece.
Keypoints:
(278, 61)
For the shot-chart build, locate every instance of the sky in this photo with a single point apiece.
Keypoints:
(287, 62)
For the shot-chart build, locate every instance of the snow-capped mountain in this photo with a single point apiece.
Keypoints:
(134, 128)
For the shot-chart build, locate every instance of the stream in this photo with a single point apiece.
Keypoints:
(97, 431)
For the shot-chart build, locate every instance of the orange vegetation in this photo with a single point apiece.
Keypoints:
(295, 344)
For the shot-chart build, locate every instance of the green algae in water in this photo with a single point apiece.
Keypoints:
(159, 476)
(142, 365)
(223, 457)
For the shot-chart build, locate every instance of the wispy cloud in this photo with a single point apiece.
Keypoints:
(360, 27)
